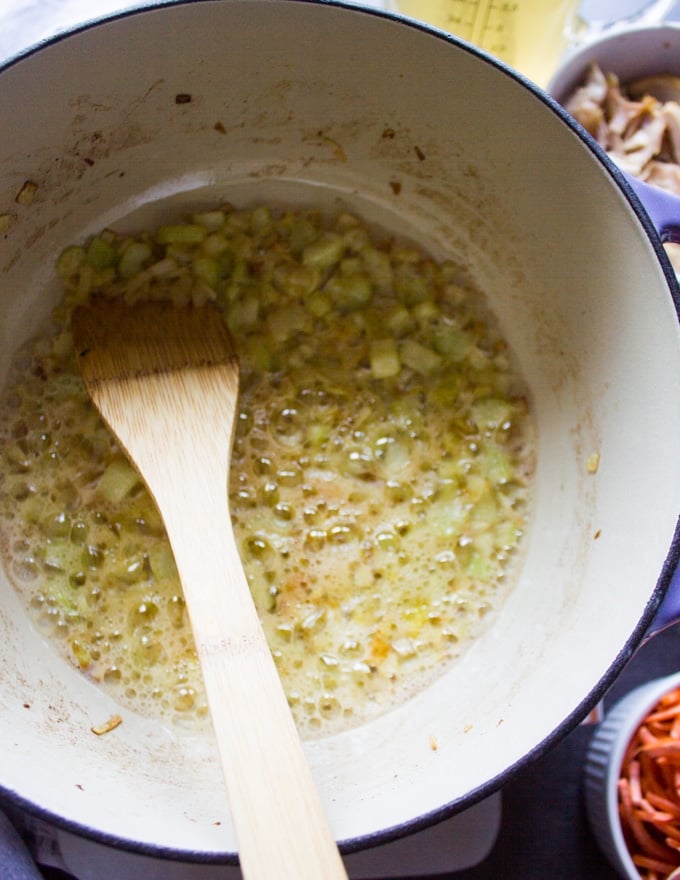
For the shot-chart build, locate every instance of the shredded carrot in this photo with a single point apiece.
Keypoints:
(662, 868)
(634, 781)
(675, 728)
(662, 803)
(666, 748)
(668, 713)
(649, 791)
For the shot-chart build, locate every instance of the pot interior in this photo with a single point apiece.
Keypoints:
(151, 114)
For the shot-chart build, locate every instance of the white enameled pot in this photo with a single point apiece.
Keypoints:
(151, 113)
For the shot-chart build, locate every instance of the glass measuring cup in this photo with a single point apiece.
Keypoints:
(529, 35)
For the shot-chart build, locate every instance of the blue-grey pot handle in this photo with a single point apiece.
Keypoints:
(663, 209)
(668, 612)
(662, 206)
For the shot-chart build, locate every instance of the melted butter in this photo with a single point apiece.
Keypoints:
(379, 483)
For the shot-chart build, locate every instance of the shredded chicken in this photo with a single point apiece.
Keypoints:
(637, 124)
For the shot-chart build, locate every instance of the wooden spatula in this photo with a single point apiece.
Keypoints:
(165, 379)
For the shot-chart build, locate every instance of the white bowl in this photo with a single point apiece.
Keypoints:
(603, 764)
(629, 52)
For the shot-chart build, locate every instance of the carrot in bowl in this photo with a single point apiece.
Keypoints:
(649, 791)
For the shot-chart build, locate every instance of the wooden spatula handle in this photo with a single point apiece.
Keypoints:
(177, 428)
(280, 825)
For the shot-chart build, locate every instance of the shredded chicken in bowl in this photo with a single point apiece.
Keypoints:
(638, 124)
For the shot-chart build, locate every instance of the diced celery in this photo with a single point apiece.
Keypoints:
(243, 313)
(260, 355)
(80, 653)
(485, 512)
(207, 270)
(225, 263)
(212, 220)
(303, 232)
(317, 433)
(347, 221)
(491, 412)
(313, 619)
(85, 278)
(384, 358)
(398, 492)
(451, 468)
(181, 252)
(27, 193)
(405, 412)
(351, 265)
(319, 304)
(445, 389)
(396, 457)
(476, 486)
(350, 292)
(176, 607)
(103, 277)
(379, 267)
(282, 323)
(453, 291)
(57, 525)
(325, 252)
(355, 236)
(18, 457)
(496, 464)
(400, 321)
(479, 566)
(32, 509)
(79, 532)
(131, 570)
(297, 280)
(261, 219)
(183, 233)
(304, 280)
(70, 260)
(133, 259)
(411, 285)
(447, 515)
(426, 312)
(405, 648)
(164, 267)
(453, 343)
(145, 518)
(419, 357)
(507, 534)
(237, 221)
(239, 270)
(117, 481)
(100, 253)
(214, 244)
(478, 360)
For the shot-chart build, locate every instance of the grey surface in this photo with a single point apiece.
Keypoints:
(15, 860)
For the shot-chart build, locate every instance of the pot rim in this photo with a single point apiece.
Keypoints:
(447, 811)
